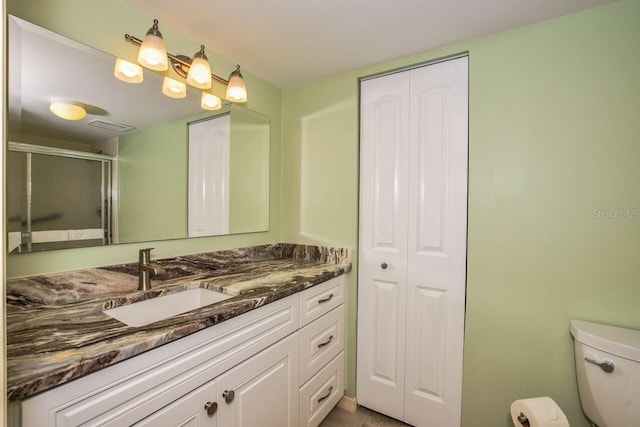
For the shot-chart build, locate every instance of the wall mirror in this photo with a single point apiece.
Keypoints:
(122, 174)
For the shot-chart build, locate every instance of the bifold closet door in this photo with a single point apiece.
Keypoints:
(382, 275)
(413, 214)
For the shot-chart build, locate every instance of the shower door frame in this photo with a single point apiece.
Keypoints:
(106, 193)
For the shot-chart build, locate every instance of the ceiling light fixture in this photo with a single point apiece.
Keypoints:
(67, 109)
(197, 71)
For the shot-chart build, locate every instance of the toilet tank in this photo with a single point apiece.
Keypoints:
(608, 373)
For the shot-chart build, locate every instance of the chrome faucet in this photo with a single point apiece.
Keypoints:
(146, 268)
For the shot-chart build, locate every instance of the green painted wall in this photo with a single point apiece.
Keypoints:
(248, 190)
(553, 155)
(102, 24)
(152, 176)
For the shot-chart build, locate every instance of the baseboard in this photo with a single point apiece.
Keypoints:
(348, 404)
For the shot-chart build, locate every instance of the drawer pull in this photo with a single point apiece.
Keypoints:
(228, 395)
(323, 300)
(326, 395)
(211, 408)
(322, 344)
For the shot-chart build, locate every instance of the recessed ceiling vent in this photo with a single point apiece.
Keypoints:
(116, 127)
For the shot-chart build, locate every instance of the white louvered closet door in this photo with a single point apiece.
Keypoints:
(412, 255)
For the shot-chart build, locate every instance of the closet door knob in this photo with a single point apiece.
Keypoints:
(384, 265)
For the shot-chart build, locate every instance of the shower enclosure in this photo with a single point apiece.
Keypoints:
(57, 198)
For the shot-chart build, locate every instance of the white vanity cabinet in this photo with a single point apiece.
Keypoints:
(262, 391)
(245, 372)
(322, 335)
(174, 379)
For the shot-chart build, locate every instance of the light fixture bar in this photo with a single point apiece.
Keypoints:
(176, 58)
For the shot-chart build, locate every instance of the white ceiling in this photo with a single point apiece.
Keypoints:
(292, 42)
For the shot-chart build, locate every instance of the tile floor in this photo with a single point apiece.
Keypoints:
(363, 417)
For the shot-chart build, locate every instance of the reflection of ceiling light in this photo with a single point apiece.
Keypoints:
(236, 91)
(67, 110)
(128, 72)
(210, 102)
(153, 53)
(197, 71)
(173, 88)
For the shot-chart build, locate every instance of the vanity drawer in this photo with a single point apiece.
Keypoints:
(322, 392)
(321, 341)
(322, 298)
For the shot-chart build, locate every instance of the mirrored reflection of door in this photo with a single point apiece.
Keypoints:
(209, 146)
(57, 201)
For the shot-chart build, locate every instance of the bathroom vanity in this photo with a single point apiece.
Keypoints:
(271, 355)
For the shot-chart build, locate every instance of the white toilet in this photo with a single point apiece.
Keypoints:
(608, 371)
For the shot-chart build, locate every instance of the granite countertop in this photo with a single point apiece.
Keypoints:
(56, 330)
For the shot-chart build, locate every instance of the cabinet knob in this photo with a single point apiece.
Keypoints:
(211, 408)
(383, 266)
(228, 395)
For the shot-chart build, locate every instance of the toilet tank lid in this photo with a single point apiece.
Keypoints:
(611, 339)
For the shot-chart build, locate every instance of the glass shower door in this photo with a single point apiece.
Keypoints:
(57, 201)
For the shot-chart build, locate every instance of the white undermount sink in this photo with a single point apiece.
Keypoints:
(160, 308)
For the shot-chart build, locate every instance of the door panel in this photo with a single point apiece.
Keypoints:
(209, 147)
(436, 261)
(188, 411)
(383, 242)
(265, 389)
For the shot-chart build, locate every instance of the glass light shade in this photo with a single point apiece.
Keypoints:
(210, 102)
(67, 110)
(199, 75)
(128, 72)
(173, 88)
(236, 90)
(153, 53)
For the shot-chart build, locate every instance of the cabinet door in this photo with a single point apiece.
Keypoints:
(191, 410)
(262, 391)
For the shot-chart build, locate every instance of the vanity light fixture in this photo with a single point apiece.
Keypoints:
(210, 102)
(236, 89)
(128, 72)
(173, 88)
(67, 109)
(196, 71)
(199, 74)
(153, 53)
